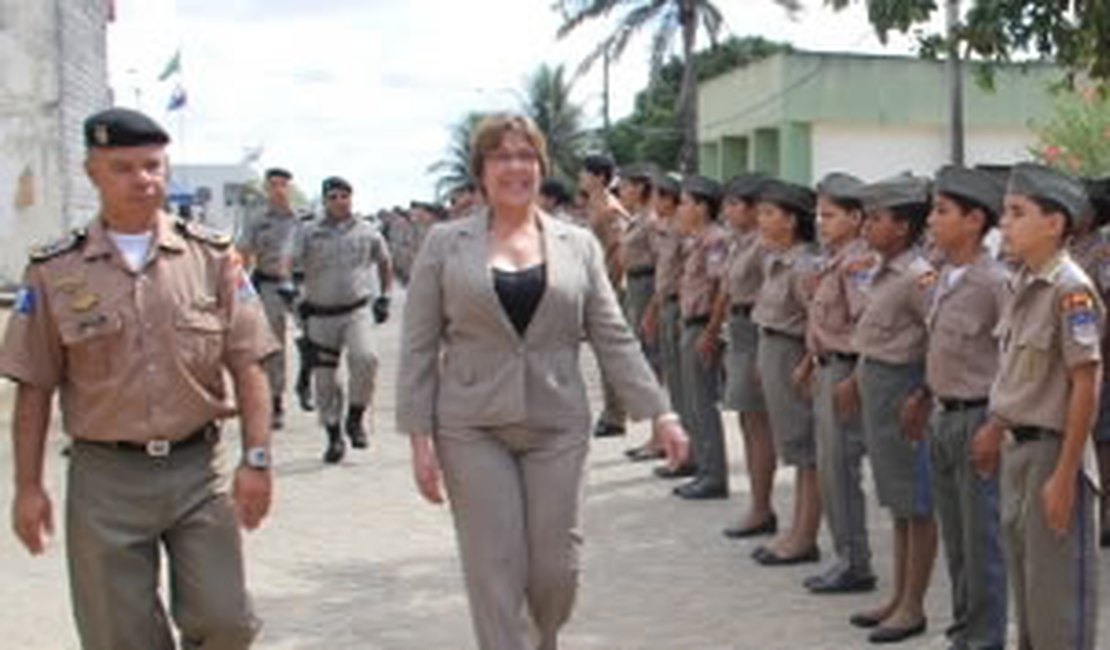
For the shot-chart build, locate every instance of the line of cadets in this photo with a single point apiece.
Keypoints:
(871, 319)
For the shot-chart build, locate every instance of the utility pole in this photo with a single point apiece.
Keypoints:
(955, 87)
(605, 96)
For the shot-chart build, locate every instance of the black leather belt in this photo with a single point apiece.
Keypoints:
(741, 309)
(642, 272)
(309, 309)
(954, 404)
(695, 321)
(160, 447)
(260, 277)
(1029, 434)
(770, 331)
(825, 358)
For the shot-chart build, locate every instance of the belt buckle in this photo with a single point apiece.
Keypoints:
(158, 448)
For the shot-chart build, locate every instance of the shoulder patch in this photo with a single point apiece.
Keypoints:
(71, 241)
(1076, 301)
(927, 279)
(194, 230)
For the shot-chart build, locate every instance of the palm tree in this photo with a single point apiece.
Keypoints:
(549, 106)
(670, 17)
(453, 170)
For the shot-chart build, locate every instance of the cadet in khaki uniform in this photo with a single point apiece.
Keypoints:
(134, 321)
(1044, 400)
(890, 338)
(264, 244)
(787, 233)
(742, 393)
(961, 364)
(339, 255)
(838, 299)
(607, 219)
(706, 253)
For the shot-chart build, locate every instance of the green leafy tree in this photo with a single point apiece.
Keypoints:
(669, 19)
(558, 118)
(1077, 138)
(453, 170)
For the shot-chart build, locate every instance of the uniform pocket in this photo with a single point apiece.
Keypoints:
(200, 337)
(91, 343)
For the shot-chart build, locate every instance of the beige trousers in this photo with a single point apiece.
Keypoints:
(515, 495)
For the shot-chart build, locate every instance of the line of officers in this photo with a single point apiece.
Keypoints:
(871, 319)
(333, 276)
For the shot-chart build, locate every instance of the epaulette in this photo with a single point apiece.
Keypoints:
(73, 239)
(194, 230)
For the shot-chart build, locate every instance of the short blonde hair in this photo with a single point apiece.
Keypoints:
(492, 130)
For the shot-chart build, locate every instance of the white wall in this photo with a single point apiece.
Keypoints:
(873, 152)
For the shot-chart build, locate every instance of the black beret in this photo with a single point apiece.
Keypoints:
(703, 187)
(644, 172)
(896, 191)
(279, 172)
(122, 127)
(1043, 182)
(840, 187)
(335, 183)
(668, 183)
(599, 164)
(798, 198)
(745, 186)
(975, 185)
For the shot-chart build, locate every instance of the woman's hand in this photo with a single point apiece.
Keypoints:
(673, 439)
(425, 467)
(915, 415)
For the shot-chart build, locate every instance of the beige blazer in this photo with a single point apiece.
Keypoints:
(462, 362)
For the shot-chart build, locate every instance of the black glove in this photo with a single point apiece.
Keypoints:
(288, 292)
(381, 309)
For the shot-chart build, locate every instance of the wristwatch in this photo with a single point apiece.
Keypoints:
(257, 458)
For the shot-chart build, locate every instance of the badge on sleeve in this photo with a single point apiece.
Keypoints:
(25, 300)
(1082, 321)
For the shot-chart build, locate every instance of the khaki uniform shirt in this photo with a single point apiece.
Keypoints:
(1051, 323)
(839, 295)
(637, 242)
(608, 222)
(782, 300)
(745, 268)
(703, 269)
(962, 360)
(141, 355)
(339, 259)
(892, 325)
(269, 239)
(669, 258)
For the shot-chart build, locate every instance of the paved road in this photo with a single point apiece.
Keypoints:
(352, 559)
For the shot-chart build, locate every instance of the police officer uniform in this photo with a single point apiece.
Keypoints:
(1051, 324)
(340, 259)
(961, 363)
(138, 354)
(637, 250)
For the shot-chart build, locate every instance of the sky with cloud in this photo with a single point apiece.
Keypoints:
(368, 89)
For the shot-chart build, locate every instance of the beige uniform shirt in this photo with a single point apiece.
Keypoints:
(269, 238)
(782, 300)
(141, 355)
(704, 268)
(637, 242)
(1052, 322)
(340, 260)
(669, 258)
(838, 297)
(962, 360)
(745, 268)
(892, 325)
(608, 221)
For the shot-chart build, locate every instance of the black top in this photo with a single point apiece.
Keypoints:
(520, 293)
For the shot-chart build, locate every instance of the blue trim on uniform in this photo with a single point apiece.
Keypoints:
(923, 487)
(1081, 582)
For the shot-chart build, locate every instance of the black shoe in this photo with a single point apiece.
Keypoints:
(682, 471)
(897, 634)
(1104, 539)
(643, 453)
(304, 391)
(701, 489)
(605, 429)
(770, 558)
(354, 427)
(843, 582)
(336, 449)
(277, 415)
(864, 621)
(770, 526)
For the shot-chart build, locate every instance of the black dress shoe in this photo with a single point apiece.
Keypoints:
(1104, 539)
(770, 526)
(897, 634)
(643, 453)
(770, 558)
(702, 489)
(845, 582)
(608, 429)
(682, 471)
(864, 620)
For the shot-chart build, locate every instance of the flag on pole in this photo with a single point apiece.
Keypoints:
(172, 67)
(177, 98)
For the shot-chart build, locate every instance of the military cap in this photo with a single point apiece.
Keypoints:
(904, 189)
(278, 172)
(839, 186)
(974, 185)
(792, 196)
(599, 164)
(1043, 182)
(745, 186)
(703, 187)
(335, 183)
(668, 183)
(644, 172)
(122, 127)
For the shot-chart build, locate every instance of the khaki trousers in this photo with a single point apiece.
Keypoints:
(515, 496)
(123, 509)
(353, 332)
(1054, 579)
(276, 315)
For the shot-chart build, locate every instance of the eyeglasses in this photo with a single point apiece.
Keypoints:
(527, 157)
(335, 196)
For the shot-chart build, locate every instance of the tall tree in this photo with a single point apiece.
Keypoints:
(453, 170)
(550, 107)
(670, 18)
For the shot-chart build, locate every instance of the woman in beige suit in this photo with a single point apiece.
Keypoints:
(491, 393)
